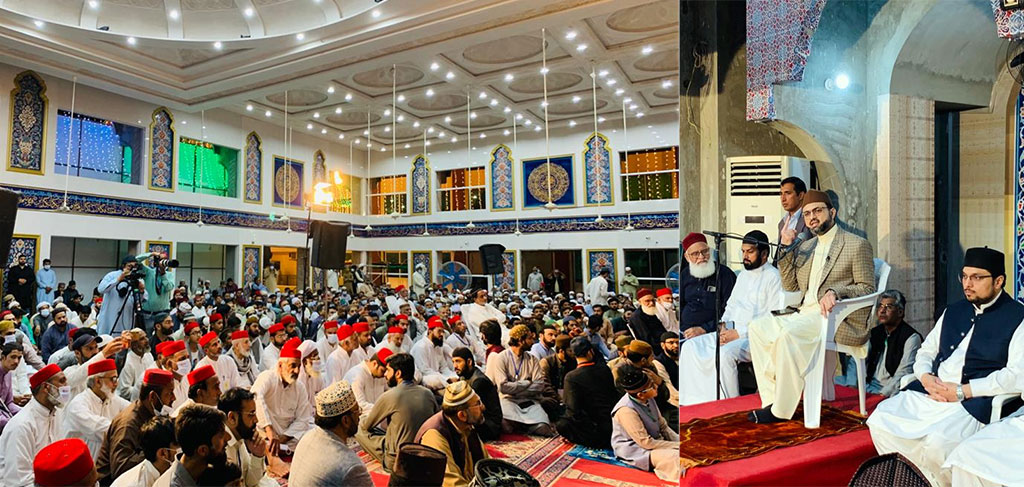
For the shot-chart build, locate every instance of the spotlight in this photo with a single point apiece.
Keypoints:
(173, 14)
(519, 116)
(507, 109)
(572, 123)
(612, 82)
(602, 73)
(543, 104)
(401, 118)
(316, 114)
(323, 131)
(248, 107)
(348, 96)
(494, 101)
(576, 99)
(330, 89)
(415, 125)
(387, 129)
(483, 95)
(666, 84)
(309, 126)
(505, 132)
(455, 139)
(646, 50)
(407, 146)
(450, 75)
(300, 36)
(94, 4)
(337, 110)
(529, 122)
(447, 119)
(387, 112)
(633, 106)
(483, 136)
(401, 98)
(600, 119)
(217, 45)
(267, 113)
(570, 35)
(536, 129)
(248, 12)
(430, 130)
(131, 41)
(341, 136)
(640, 115)
(509, 77)
(627, 100)
(842, 81)
(581, 47)
(430, 93)
(472, 115)
(375, 13)
(434, 66)
(39, 23)
(544, 70)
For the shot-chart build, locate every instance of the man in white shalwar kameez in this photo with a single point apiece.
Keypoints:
(521, 384)
(343, 358)
(480, 311)
(419, 281)
(327, 339)
(396, 341)
(367, 380)
(283, 410)
(459, 337)
(89, 414)
(758, 291)
(597, 288)
(34, 427)
(975, 351)
(227, 370)
(433, 358)
(990, 457)
(136, 361)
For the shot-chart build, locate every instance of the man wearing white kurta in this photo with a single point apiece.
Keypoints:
(433, 359)
(343, 358)
(834, 265)
(990, 457)
(480, 311)
(419, 281)
(521, 383)
(367, 380)
(136, 361)
(975, 351)
(597, 288)
(327, 340)
(225, 367)
(758, 291)
(460, 337)
(34, 427)
(283, 410)
(89, 414)
(87, 352)
(46, 282)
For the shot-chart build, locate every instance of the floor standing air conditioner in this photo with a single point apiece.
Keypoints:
(753, 202)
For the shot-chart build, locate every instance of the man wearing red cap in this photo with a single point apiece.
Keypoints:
(122, 442)
(283, 410)
(193, 332)
(87, 352)
(644, 323)
(364, 341)
(327, 339)
(278, 336)
(395, 340)
(241, 355)
(343, 357)
(173, 357)
(367, 379)
(459, 337)
(665, 307)
(203, 388)
(697, 289)
(89, 414)
(433, 361)
(34, 427)
(226, 369)
(64, 463)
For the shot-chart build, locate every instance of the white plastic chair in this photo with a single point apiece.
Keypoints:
(817, 373)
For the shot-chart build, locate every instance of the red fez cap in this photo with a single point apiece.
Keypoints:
(102, 366)
(240, 335)
(361, 327)
(190, 326)
(383, 354)
(433, 318)
(401, 317)
(157, 377)
(159, 348)
(454, 319)
(333, 324)
(577, 307)
(71, 333)
(200, 374)
(43, 375)
(396, 329)
(63, 462)
(276, 328)
(643, 292)
(664, 291)
(400, 288)
(171, 348)
(207, 338)
(344, 331)
(434, 324)
(288, 319)
(216, 317)
(291, 349)
(693, 238)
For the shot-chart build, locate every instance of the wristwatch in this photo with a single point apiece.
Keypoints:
(960, 392)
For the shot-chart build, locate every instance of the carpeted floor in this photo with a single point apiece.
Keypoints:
(552, 461)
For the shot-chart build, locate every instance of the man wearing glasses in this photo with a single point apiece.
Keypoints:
(975, 352)
(697, 288)
(832, 266)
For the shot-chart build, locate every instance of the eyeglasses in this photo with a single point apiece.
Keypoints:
(816, 211)
(974, 278)
(699, 253)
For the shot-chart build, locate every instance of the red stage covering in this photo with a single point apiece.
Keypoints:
(828, 461)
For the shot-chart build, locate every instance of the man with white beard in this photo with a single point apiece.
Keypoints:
(758, 291)
(697, 288)
(666, 310)
(644, 323)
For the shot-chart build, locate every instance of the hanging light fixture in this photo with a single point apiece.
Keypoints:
(469, 146)
(547, 137)
(625, 135)
(367, 228)
(600, 196)
(394, 145)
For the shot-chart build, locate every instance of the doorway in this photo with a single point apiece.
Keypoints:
(288, 260)
(567, 261)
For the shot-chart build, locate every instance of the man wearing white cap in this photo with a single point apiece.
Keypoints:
(89, 414)
(630, 284)
(323, 457)
(452, 432)
(419, 280)
(312, 374)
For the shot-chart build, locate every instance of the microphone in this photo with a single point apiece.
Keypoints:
(715, 234)
(796, 243)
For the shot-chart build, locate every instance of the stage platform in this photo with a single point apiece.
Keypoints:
(823, 462)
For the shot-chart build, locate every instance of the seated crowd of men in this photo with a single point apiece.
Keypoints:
(939, 388)
(236, 388)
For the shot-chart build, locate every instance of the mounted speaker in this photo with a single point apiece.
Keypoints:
(490, 255)
(8, 210)
(329, 243)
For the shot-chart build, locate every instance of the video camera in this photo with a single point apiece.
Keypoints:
(172, 263)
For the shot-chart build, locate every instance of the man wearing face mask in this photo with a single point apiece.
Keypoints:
(328, 341)
(312, 374)
(46, 282)
(40, 321)
(226, 369)
(283, 409)
(89, 414)
(666, 310)
(56, 336)
(34, 427)
(343, 358)
(200, 432)
(122, 443)
(159, 447)
(173, 357)
(245, 445)
(136, 361)
(433, 361)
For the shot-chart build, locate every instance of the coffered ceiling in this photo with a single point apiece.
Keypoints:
(329, 63)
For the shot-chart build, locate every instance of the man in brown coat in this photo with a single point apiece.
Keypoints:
(832, 266)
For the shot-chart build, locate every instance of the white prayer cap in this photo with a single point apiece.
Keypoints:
(526, 313)
(335, 400)
(41, 304)
(184, 307)
(296, 301)
(265, 322)
(58, 300)
(628, 269)
(307, 347)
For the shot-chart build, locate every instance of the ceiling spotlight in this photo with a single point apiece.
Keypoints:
(248, 107)
(375, 13)
(581, 47)
(633, 106)
(131, 41)
(248, 12)
(576, 99)
(434, 66)
(627, 100)
(217, 45)
(612, 82)
(407, 146)
(366, 132)
(184, 122)
(337, 110)
(323, 131)
(619, 91)
(383, 149)
(450, 75)
(507, 109)
(668, 83)
(415, 125)
(472, 115)
(529, 122)
(358, 141)
(300, 36)
(483, 95)
(570, 35)
(387, 112)
(341, 136)
(455, 139)
(309, 126)
(401, 98)
(519, 116)
(543, 104)
(348, 96)
(316, 114)
(646, 50)
(430, 92)
(173, 14)
(330, 89)
(572, 123)
(842, 81)
(602, 73)
(494, 102)
(266, 113)
(505, 132)
(483, 136)
(509, 77)
(640, 115)
(536, 129)
(94, 4)
(543, 70)
(600, 119)
(368, 144)
(430, 130)
(39, 23)
(387, 129)
(427, 143)
(401, 118)
(441, 134)
(447, 119)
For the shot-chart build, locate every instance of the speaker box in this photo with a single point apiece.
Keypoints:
(329, 243)
(490, 254)
(8, 210)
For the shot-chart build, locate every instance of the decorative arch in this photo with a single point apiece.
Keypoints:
(253, 168)
(502, 180)
(161, 150)
(421, 185)
(28, 124)
(597, 171)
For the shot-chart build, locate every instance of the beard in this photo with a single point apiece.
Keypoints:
(437, 341)
(823, 227)
(649, 310)
(219, 460)
(393, 381)
(465, 373)
(700, 271)
(246, 432)
(752, 265)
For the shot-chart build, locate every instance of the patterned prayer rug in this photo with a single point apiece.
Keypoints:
(733, 437)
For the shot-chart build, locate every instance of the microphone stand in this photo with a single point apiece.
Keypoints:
(719, 236)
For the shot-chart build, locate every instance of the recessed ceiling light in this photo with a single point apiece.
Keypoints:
(248, 12)
(455, 139)
(646, 50)
(434, 66)
(401, 98)
(323, 131)
(600, 119)
(427, 143)
(633, 106)
(173, 14)
(602, 73)
(368, 144)
(576, 99)
(401, 118)
(441, 134)
(217, 45)
(407, 146)
(544, 70)
(387, 112)
(39, 23)
(248, 107)
(415, 125)
(581, 47)
(612, 82)
(640, 115)
(472, 115)
(430, 92)
(330, 89)
(309, 126)
(348, 96)
(572, 123)
(375, 13)
(505, 132)
(494, 101)
(131, 41)
(383, 149)
(627, 100)
(300, 36)
(94, 4)
(507, 109)
(570, 35)
(483, 95)
(447, 119)
(366, 132)
(619, 91)
(519, 116)
(358, 141)
(667, 83)
(543, 104)
(483, 136)
(450, 75)
(266, 113)
(337, 110)
(184, 122)
(430, 130)
(341, 136)
(536, 129)
(316, 114)
(509, 77)
(529, 122)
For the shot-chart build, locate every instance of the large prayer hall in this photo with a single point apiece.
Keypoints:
(340, 242)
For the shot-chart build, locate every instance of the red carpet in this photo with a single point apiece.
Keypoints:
(827, 461)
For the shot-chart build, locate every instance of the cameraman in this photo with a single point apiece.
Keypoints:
(159, 282)
(116, 288)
